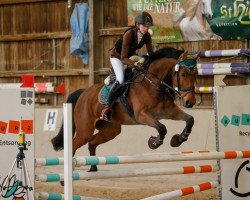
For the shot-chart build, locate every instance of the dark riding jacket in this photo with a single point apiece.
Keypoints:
(127, 45)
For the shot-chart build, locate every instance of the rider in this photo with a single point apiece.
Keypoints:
(125, 47)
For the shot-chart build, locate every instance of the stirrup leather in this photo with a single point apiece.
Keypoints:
(105, 113)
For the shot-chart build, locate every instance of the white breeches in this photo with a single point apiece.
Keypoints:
(118, 68)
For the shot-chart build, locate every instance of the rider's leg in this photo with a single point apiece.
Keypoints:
(119, 72)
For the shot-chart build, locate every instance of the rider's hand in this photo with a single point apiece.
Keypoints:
(137, 64)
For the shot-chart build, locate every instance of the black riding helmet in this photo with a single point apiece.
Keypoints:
(144, 18)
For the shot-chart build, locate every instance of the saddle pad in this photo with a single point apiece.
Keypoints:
(103, 95)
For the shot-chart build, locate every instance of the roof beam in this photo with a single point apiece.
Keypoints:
(35, 36)
(7, 2)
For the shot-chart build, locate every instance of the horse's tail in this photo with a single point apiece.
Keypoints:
(57, 141)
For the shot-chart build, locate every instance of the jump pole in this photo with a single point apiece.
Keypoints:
(222, 53)
(148, 158)
(123, 173)
(185, 191)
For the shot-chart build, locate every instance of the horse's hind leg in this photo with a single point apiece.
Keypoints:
(178, 139)
(106, 134)
(148, 119)
(84, 134)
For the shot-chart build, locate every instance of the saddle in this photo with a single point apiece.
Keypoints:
(129, 74)
(110, 80)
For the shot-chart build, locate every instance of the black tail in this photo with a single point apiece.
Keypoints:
(57, 141)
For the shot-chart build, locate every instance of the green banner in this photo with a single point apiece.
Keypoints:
(194, 20)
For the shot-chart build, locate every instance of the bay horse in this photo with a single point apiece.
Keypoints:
(151, 96)
(195, 26)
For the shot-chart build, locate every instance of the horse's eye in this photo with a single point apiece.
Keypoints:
(183, 74)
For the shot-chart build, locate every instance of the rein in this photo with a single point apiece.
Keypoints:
(167, 86)
(143, 70)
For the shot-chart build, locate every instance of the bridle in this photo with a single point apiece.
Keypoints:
(168, 88)
(183, 89)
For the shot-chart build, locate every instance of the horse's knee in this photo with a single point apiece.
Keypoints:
(190, 121)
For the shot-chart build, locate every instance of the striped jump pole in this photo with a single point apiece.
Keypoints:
(124, 173)
(58, 196)
(224, 71)
(147, 158)
(185, 191)
(221, 65)
(199, 90)
(220, 53)
(222, 68)
(60, 160)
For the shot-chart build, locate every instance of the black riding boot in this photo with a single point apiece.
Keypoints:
(107, 111)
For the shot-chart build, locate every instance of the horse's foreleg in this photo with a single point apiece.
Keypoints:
(178, 139)
(148, 119)
(105, 134)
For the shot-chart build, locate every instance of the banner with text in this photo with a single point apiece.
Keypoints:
(193, 20)
(17, 143)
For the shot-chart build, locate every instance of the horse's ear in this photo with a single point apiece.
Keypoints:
(182, 49)
(184, 55)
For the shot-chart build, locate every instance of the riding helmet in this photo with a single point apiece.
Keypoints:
(144, 18)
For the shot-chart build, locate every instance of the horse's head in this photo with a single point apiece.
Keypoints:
(184, 78)
(207, 8)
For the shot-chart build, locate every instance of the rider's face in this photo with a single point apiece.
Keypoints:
(143, 28)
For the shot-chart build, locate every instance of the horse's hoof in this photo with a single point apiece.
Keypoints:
(175, 141)
(62, 183)
(154, 142)
(93, 168)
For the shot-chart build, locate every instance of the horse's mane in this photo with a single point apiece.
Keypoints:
(192, 12)
(165, 52)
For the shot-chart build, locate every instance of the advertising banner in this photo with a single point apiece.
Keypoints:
(233, 134)
(194, 20)
(16, 143)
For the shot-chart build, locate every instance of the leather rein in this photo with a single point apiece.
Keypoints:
(145, 68)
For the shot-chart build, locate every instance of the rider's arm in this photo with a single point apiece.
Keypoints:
(149, 43)
(127, 37)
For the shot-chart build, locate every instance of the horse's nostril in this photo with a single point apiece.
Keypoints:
(187, 104)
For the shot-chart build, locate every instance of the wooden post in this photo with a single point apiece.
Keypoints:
(91, 42)
(68, 168)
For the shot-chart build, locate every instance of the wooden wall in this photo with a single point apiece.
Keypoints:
(28, 29)
(27, 32)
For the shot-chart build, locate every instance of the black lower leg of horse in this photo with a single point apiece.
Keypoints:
(92, 152)
(186, 132)
(178, 139)
(155, 142)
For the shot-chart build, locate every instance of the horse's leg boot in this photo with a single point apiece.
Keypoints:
(154, 142)
(177, 140)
